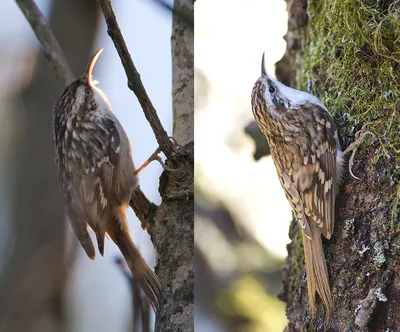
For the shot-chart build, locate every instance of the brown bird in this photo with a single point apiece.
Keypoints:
(97, 175)
(306, 152)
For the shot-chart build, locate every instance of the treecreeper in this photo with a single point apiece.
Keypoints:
(97, 175)
(305, 148)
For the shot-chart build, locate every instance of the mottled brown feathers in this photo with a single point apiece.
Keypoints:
(97, 175)
(304, 147)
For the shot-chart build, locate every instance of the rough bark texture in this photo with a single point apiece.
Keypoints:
(183, 72)
(32, 283)
(348, 54)
(172, 232)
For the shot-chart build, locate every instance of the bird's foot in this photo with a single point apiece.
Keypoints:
(155, 156)
(360, 136)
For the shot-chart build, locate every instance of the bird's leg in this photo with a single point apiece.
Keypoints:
(155, 156)
(360, 136)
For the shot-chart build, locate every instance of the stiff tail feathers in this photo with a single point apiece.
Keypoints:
(148, 282)
(143, 274)
(317, 272)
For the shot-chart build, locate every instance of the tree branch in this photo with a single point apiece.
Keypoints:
(143, 208)
(51, 48)
(134, 81)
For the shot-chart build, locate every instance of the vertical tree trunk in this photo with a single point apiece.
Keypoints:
(173, 229)
(348, 54)
(32, 282)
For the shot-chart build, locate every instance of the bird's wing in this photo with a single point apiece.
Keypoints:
(311, 189)
(295, 199)
(72, 201)
(319, 199)
(96, 186)
(77, 218)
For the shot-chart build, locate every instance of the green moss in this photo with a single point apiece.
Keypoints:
(300, 260)
(355, 69)
(298, 264)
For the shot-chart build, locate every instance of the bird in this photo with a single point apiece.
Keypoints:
(306, 152)
(97, 175)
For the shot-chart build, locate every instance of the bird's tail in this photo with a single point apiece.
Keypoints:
(317, 273)
(143, 274)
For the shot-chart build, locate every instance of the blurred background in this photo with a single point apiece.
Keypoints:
(241, 214)
(36, 288)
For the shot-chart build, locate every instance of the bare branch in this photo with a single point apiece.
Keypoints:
(143, 208)
(51, 48)
(134, 81)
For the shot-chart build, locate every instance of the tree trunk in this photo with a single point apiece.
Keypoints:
(348, 54)
(173, 229)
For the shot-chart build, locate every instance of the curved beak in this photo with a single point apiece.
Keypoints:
(89, 68)
(263, 71)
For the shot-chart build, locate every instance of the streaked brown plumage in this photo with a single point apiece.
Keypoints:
(305, 149)
(97, 175)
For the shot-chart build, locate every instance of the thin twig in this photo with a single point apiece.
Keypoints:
(134, 81)
(51, 48)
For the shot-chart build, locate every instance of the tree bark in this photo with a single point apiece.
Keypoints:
(173, 229)
(183, 73)
(348, 54)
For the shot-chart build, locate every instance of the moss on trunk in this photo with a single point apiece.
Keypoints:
(348, 54)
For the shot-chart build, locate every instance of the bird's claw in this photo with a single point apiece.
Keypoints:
(360, 136)
(155, 156)
(176, 146)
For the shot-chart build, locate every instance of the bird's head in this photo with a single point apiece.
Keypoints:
(83, 93)
(273, 99)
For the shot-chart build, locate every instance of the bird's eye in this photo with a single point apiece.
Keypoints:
(88, 91)
(271, 89)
